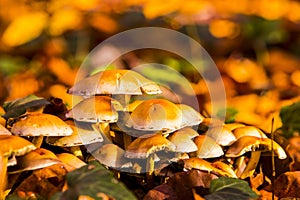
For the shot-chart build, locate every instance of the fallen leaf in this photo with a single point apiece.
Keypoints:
(230, 188)
(286, 185)
(25, 28)
(93, 180)
(181, 185)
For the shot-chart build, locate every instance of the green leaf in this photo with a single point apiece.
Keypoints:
(230, 188)
(290, 117)
(18, 107)
(230, 114)
(92, 180)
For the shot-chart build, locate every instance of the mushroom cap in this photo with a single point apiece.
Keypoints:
(70, 160)
(14, 145)
(250, 143)
(190, 116)
(222, 135)
(248, 131)
(187, 131)
(142, 147)
(40, 124)
(156, 114)
(4, 131)
(36, 159)
(110, 155)
(182, 139)
(207, 147)
(80, 136)
(225, 169)
(95, 109)
(183, 143)
(218, 168)
(198, 163)
(115, 82)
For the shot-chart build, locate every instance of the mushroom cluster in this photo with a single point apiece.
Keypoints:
(148, 134)
(141, 136)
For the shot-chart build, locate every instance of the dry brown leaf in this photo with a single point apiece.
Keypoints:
(286, 185)
(181, 185)
(43, 182)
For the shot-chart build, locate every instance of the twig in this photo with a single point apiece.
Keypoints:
(273, 160)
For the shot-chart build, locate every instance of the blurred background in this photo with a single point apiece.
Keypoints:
(254, 43)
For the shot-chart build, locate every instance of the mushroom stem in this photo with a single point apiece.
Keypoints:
(38, 141)
(105, 130)
(251, 165)
(76, 151)
(239, 165)
(150, 170)
(3, 175)
(124, 101)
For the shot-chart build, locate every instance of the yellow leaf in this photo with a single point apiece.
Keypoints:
(156, 8)
(63, 20)
(24, 28)
(103, 23)
(224, 28)
(62, 70)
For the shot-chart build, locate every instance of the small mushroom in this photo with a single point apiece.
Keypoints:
(40, 124)
(145, 147)
(11, 145)
(82, 135)
(203, 165)
(182, 139)
(95, 109)
(190, 116)
(36, 159)
(248, 131)
(226, 168)
(222, 135)
(100, 110)
(111, 155)
(207, 147)
(156, 115)
(72, 162)
(115, 82)
(254, 145)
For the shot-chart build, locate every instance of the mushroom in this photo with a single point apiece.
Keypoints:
(222, 135)
(203, 165)
(254, 145)
(190, 116)
(71, 162)
(111, 155)
(40, 124)
(240, 164)
(115, 82)
(145, 147)
(100, 110)
(11, 145)
(36, 159)
(82, 134)
(182, 139)
(157, 115)
(248, 131)
(207, 147)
